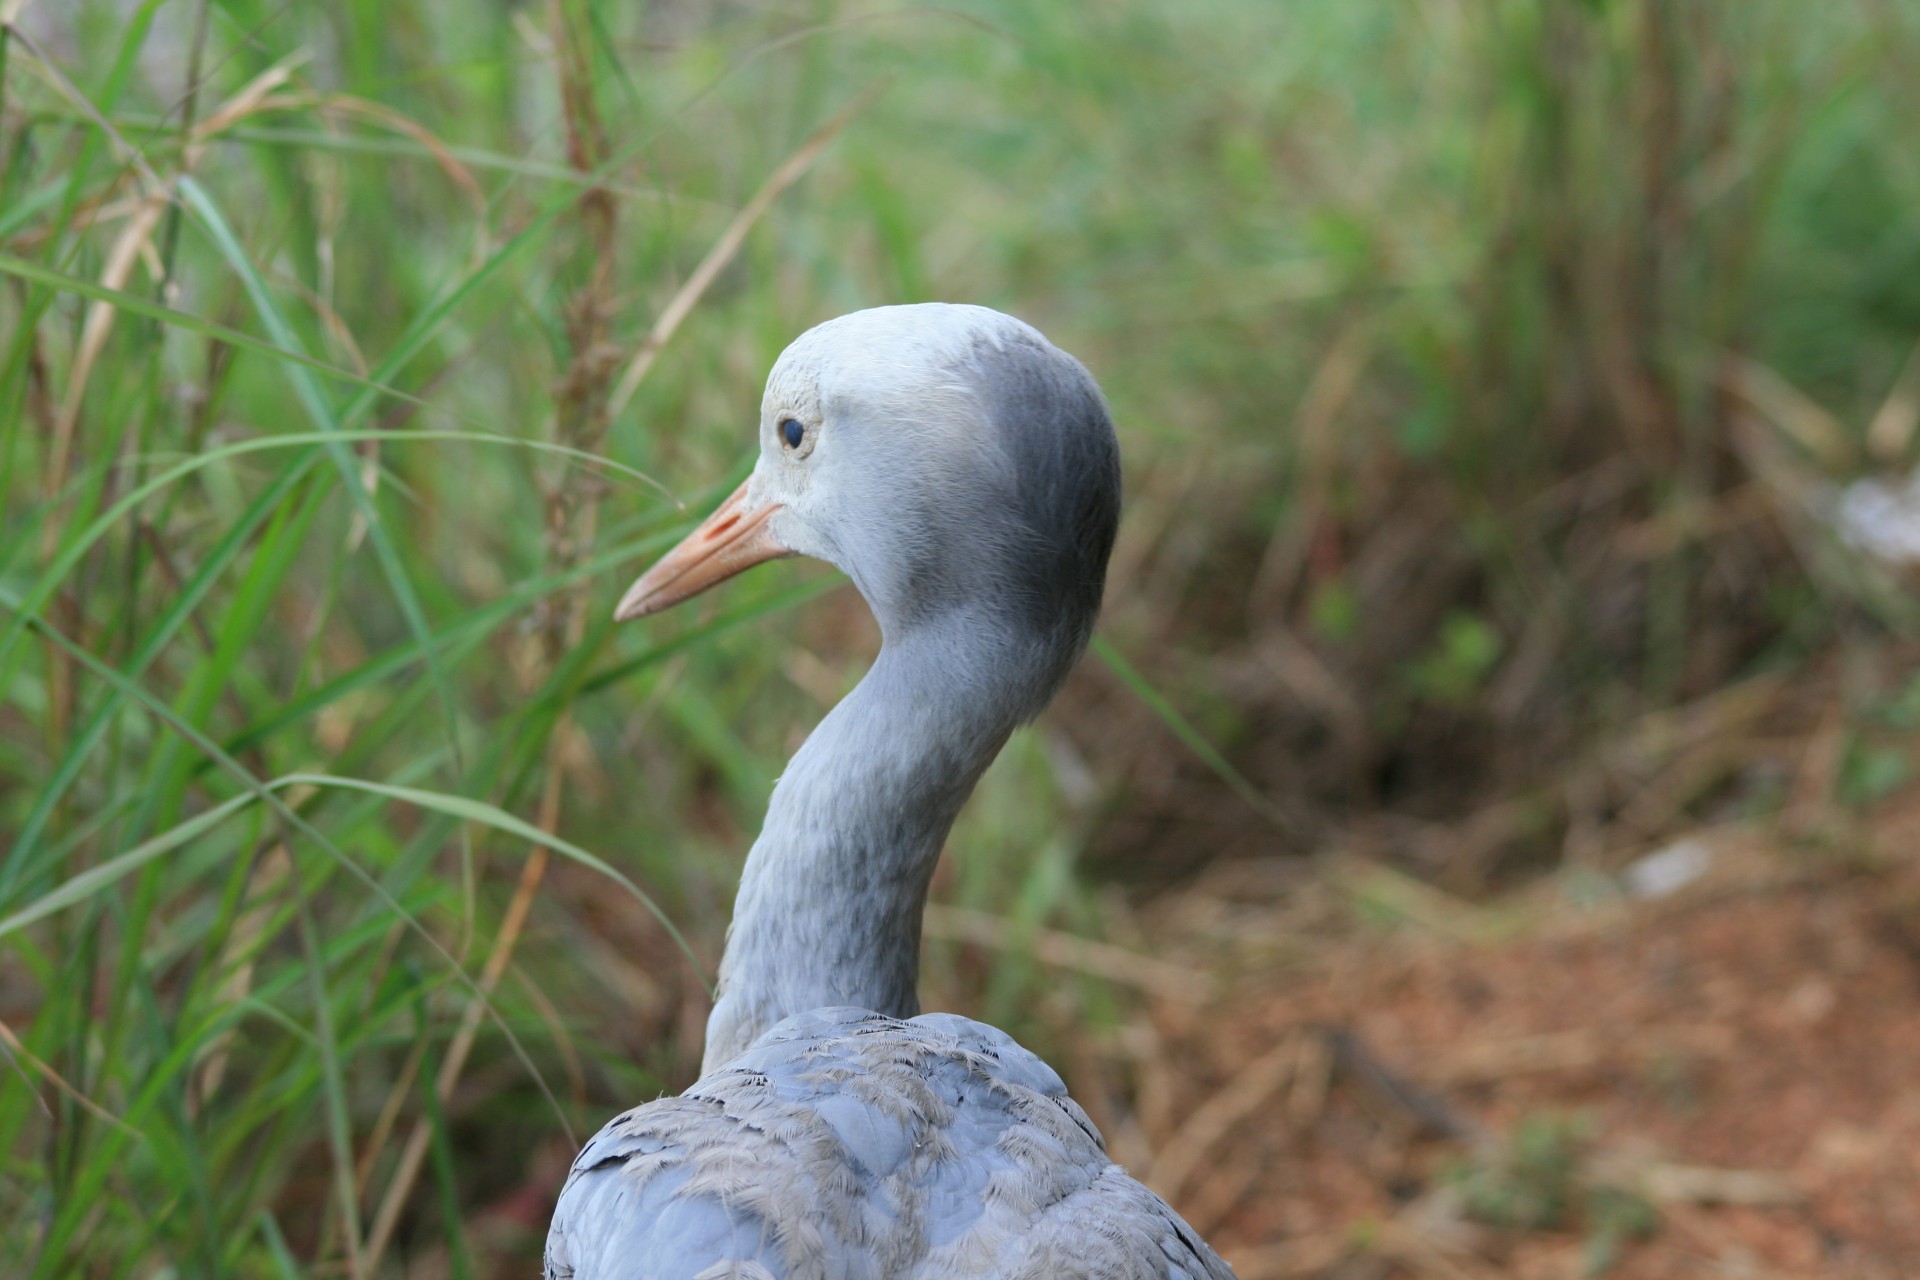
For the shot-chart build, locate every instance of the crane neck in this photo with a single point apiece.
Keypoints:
(830, 900)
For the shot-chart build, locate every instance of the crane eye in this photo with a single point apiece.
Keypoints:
(792, 432)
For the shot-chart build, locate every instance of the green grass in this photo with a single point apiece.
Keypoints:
(1414, 318)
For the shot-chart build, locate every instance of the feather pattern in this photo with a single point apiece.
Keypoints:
(845, 1143)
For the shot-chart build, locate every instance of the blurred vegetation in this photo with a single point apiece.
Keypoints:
(1540, 1182)
(1478, 366)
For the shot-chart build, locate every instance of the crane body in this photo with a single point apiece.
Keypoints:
(964, 473)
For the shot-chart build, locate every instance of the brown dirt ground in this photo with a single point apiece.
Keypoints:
(1745, 1053)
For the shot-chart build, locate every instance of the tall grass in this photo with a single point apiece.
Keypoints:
(346, 352)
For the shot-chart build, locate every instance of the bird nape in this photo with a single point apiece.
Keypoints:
(963, 472)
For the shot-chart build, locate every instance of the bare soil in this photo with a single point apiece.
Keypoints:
(1733, 1067)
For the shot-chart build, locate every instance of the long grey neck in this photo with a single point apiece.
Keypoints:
(830, 901)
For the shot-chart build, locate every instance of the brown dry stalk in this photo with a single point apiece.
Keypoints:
(255, 96)
(22, 1055)
(1220, 1114)
(127, 249)
(135, 243)
(389, 1117)
(583, 409)
(1671, 1184)
(1797, 415)
(1413, 1246)
(1297, 1257)
(580, 421)
(457, 173)
(49, 69)
(264, 883)
(1890, 433)
(413, 1155)
(1067, 951)
(1315, 422)
(682, 303)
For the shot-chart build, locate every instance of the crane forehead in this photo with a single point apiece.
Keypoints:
(902, 363)
(866, 381)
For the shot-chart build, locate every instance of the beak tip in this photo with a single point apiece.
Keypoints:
(729, 540)
(638, 601)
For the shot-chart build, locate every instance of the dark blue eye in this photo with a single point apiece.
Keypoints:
(792, 432)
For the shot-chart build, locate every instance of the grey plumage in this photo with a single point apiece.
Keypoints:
(848, 1144)
(964, 473)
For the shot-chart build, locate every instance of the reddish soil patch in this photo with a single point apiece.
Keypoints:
(1745, 1054)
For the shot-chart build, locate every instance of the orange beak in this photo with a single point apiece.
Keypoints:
(731, 539)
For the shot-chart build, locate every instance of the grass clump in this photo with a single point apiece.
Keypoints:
(1541, 1182)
